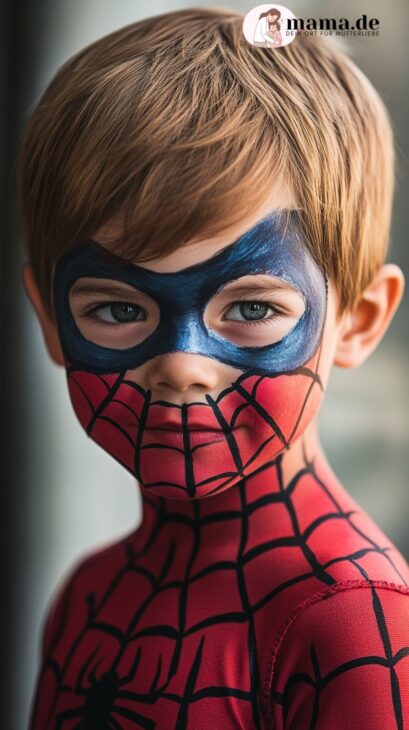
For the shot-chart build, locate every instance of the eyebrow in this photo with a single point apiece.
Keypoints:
(257, 287)
(84, 288)
(239, 290)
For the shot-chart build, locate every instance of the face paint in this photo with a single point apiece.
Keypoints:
(264, 410)
(183, 296)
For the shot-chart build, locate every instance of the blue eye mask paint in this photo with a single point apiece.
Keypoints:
(270, 248)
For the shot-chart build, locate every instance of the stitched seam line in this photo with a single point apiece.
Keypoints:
(316, 598)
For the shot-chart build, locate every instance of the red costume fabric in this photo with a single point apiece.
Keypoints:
(256, 593)
(277, 603)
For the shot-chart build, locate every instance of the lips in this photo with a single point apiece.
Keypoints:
(177, 439)
(183, 451)
(174, 419)
(196, 434)
(169, 426)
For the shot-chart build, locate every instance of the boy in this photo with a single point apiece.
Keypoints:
(207, 224)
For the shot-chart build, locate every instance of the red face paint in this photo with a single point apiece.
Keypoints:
(199, 449)
(196, 449)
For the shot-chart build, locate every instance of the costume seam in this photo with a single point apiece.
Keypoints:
(315, 598)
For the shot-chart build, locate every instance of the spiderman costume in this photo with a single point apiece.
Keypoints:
(255, 593)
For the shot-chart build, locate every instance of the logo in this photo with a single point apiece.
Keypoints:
(266, 26)
(274, 26)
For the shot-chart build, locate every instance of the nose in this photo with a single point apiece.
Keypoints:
(183, 372)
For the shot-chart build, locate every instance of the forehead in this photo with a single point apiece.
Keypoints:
(275, 233)
(274, 246)
(199, 249)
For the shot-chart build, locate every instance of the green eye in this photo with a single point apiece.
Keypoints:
(120, 312)
(248, 311)
(253, 310)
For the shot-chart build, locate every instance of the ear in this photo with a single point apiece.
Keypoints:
(45, 317)
(363, 329)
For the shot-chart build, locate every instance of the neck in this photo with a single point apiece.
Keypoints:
(265, 494)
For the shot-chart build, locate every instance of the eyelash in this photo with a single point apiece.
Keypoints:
(275, 313)
(90, 311)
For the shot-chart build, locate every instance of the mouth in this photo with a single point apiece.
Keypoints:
(195, 434)
(190, 427)
(170, 424)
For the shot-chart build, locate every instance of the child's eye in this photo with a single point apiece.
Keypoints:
(118, 313)
(250, 312)
(254, 322)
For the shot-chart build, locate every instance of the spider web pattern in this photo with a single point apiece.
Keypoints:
(363, 684)
(179, 625)
(258, 416)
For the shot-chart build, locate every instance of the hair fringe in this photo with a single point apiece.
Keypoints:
(178, 128)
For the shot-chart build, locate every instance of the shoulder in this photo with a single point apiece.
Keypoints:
(343, 652)
(82, 584)
(340, 535)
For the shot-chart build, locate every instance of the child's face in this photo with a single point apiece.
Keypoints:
(197, 368)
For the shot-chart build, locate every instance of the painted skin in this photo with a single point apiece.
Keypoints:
(275, 602)
(252, 420)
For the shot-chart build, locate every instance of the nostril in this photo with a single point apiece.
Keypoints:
(181, 386)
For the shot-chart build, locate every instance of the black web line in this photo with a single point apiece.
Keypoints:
(354, 527)
(141, 430)
(127, 406)
(104, 403)
(189, 473)
(228, 434)
(263, 413)
(248, 610)
(252, 646)
(320, 572)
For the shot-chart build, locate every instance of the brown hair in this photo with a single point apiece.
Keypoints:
(181, 125)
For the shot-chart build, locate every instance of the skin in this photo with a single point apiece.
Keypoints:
(182, 377)
(198, 544)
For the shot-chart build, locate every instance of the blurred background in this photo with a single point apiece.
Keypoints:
(62, 495)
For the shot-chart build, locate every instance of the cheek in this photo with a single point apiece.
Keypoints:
(272, 411)
(109, 410)
(260, 415)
